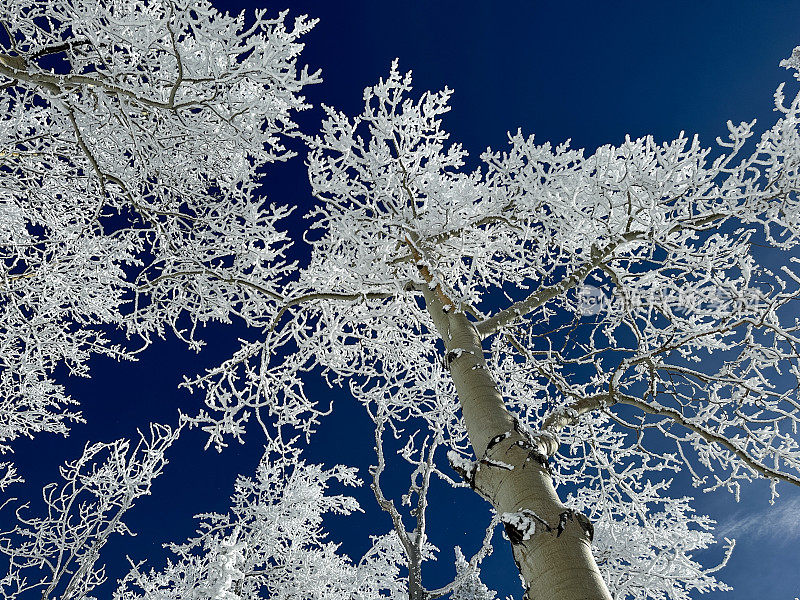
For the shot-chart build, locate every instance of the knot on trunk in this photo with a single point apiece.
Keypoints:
(469, 469)
(545, 442)
(454, 354)
(535, 456)
(524, 440)
(520, 526)
(582, 520)
(496, 440)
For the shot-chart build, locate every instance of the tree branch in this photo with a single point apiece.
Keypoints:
(493, 324)
(14, 67)
(708, 436)
(327, 296)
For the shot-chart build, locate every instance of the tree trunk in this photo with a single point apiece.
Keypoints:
(551, 544)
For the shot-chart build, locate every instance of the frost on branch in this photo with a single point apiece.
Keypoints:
(464, 467)
(9, 475)
(271, 544)
(224, 570)
(793, 62)
(469, 586)
(57, 554)
(253, 382)
(131, 134)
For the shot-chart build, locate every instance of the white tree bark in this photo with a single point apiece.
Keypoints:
(551, 544)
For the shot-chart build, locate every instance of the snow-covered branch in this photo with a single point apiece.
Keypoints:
(57, 554)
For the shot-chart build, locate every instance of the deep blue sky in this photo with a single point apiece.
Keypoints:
(589, 71)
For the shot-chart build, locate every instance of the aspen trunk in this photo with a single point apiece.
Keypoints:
(551, 544)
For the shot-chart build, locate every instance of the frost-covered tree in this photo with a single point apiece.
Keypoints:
(469, 300)
(570, 330)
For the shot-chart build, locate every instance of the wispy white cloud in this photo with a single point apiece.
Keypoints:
(780, 522)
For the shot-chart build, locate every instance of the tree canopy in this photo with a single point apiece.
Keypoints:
(570, 329)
